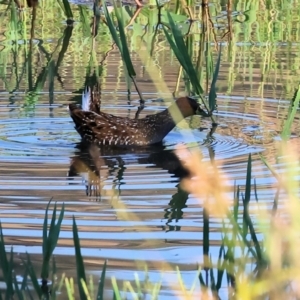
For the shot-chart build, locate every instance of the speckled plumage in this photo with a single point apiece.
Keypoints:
(101, 128)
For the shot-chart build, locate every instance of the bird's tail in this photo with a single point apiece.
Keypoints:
(91, 99)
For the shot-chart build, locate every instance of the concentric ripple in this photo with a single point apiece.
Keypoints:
(54, 139)
(41, 158)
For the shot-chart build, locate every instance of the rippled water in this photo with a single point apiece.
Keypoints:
(128, 203)
(41, 157)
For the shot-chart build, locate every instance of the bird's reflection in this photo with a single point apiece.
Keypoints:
(96, 164)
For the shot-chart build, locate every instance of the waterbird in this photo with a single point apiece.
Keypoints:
(102, 128)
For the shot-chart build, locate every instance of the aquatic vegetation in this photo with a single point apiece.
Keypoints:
(246, 265)
(240, 245)
(65, 5)
(121, 43)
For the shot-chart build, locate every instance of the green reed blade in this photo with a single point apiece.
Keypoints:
(6, 266)
(18, 291)
(100, 292)
(205, 232)
(51, 75)
(10, 279)
(85, 19)
(120, 41)
(125, 49)
(271, 169)
(122, 45)
(24, 281)
(65, 5)
(138, 285)
(54, 280)
(294, 105)
(117, 294)
(208, 61)
(248, 179)
(244, 229)
(258, 251)
(79, 261)
(212, 96)
(50, 238)
(212, 279)
(45, 228)
(13, 32)
(236, 202)
(242, 232)
(32, 275)
(276, 199)
(156, 290)
(112, 28)
(181, 51)
(255, 190)
(3, 260)
(220, 267)
(65, 44)
(28, 293)
(202, 283)
(246, 216)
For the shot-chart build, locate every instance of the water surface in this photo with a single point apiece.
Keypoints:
(128, 204)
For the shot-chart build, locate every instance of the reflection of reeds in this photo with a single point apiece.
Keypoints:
(65, 5)
(281, 229)
(180, 47)
(269, 255)
(254, 267)
(120, 40)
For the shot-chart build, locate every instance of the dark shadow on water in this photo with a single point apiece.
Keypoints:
(92, 158)
(99, 163)
(176, 205)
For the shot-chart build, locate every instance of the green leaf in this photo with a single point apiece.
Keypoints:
(32, 276)
(79, 262)
(65, 5)
(125, 51)
(101, 283)
(6, 266)
(286, 131)
(213, 90)
(205, 232)
(50, 239)
(248, 180)
(112, 28)
(220, 268)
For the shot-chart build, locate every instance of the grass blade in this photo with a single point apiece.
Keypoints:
(248, 180)
(246, 216)
(122, 45)
(65, 5)
(6, 266)
(116, 290)
(205, 234)
(112, 28)
(51, 238)
(125, 50)
(286, 132)
(101, 282)
(220, 267)
(18, 291)
(32, 275)
(79, 261)
(181, 51)
(212, 96)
